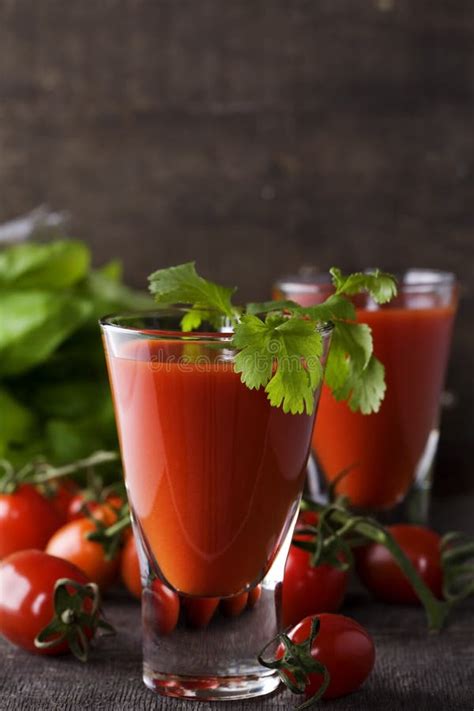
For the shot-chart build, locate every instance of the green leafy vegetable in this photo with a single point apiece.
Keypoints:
(71, 398)
(17, 423)
(34, 324)
(279, 344)
(55, 265)
(54, 394)
(72, 439)
(106, 294)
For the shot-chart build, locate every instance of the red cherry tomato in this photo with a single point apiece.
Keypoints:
(307, 518)
(63, 492)
(27, 520)
(130, 568)
(77, 505)
(80, 504)
(380, 573)
(344, 647)
(166, 603)
(27, 580)
(233, 606)
(309, 590)
(70, 542)
(199, 610)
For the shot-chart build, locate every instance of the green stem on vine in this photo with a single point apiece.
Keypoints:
(457, 560)
(436, 610)
(46, 472)
(109, 537)
(40, 471)
(120, 525)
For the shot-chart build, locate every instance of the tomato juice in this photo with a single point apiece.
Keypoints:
(412, 338)
(213, 472)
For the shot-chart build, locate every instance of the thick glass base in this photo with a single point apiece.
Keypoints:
(211, 688)
(207, 648)
(211, 650)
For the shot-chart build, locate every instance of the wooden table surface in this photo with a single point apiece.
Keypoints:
(415, 671)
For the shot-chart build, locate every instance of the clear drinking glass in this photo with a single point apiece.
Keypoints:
(214, 476)
(389, 455)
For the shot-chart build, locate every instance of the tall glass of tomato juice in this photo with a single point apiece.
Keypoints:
(388, 455)
(214, 476)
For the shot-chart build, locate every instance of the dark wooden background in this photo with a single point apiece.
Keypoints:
(253, 135)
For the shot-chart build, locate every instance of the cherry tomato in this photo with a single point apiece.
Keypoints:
(254, 596)
(199, 610)
(309, 590)
(233, 606)
(27, 520)
(380, 573)
(130, 568)
(62, 493)
(27, 580)
(344, 647)
(80, 502)
(71, 543)
(307, 518)
(166, 603)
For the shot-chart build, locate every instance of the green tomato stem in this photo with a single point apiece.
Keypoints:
(436, 610)
(118, 526)
(48, 472)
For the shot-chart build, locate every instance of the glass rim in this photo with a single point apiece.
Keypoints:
(111, 321)
(412, 279)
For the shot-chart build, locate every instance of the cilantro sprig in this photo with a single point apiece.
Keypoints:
(183, 285)
(279, 344)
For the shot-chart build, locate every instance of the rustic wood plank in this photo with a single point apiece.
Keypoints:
(418, 671)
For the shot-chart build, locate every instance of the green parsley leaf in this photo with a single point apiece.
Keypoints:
(356, 339)
(367, 387)
(381, 286)
(265, 307)
(291, 391)
(301, 348)
(283, 355)
(255, 343)
(336, 373)
(193, 318)
(352, 371)
(183, 285)
(277, 343)
(335, 307)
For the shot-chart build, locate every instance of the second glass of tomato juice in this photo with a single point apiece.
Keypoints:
(214, 476)
(387, 457)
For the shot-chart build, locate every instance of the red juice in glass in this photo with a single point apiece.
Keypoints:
(391, 452)
(213, 471)
(214, 476)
